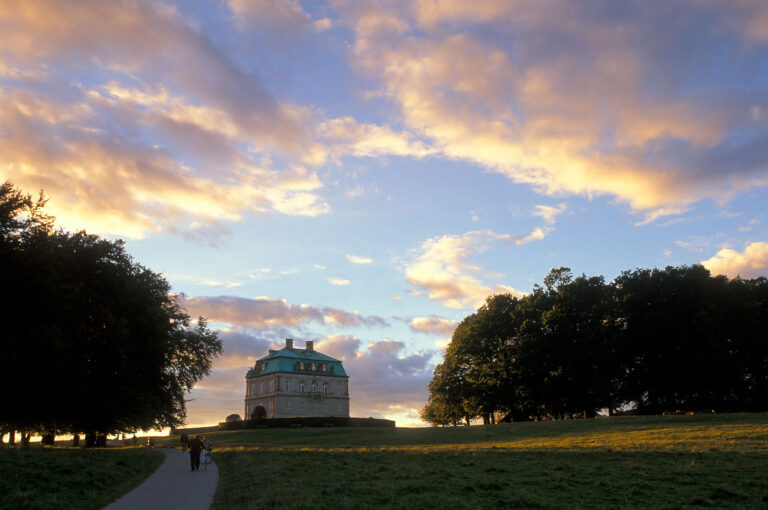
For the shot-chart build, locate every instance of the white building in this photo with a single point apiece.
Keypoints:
(293, 382)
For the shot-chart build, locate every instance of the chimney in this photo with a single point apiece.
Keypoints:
(289, 343)
(310, 346)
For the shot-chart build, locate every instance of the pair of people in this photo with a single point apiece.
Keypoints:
(195, 446)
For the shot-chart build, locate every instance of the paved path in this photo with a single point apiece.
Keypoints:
(173, 486)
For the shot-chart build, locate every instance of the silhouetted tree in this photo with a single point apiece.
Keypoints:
(93, 341)
(661, 340)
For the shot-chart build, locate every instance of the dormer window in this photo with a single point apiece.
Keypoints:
(301, 366)
(313, 367)
(325, 367)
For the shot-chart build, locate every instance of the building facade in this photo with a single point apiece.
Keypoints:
(291, 382)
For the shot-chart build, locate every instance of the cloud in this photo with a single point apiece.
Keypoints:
(134, 121)
(358, 260)
(382, 380)
(221, 393)
(433, 325)
(278, 16)
(265, 313)
(549, 213)
(208, 282)
(173, 140)
(444, 269)
(749, 226)
(751, 263)
(577, 99)
(338, 281)
(147, 40)
(347, 137)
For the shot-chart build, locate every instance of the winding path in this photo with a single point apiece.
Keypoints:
(173, 486)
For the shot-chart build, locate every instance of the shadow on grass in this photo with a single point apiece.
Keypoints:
(71, 478)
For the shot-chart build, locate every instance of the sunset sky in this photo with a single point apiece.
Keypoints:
(364, 174)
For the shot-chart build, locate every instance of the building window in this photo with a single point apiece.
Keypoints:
(314, 406)
(331, 368)
(314, 387)
(301, 366)
(261, 387)
(271, 386)
(313, 366)
(288, 404)
(325, 389)
(325, 367)
(301, 387)
(339, 406)
(288, 385)
(301, 404)
(269, 405)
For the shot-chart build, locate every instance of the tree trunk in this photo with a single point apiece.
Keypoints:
(12, 438)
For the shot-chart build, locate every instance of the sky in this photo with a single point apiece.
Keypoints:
(364, 174)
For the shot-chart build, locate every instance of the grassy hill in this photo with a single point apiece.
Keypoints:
(717, 461)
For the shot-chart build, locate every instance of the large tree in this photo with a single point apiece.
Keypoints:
(661, 340)
(92, 340)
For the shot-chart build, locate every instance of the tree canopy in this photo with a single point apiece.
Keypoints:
(657, 340)
(92, 341)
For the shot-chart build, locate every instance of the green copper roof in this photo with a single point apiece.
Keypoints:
(289, 360)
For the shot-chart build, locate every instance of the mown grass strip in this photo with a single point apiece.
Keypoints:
(72, 478)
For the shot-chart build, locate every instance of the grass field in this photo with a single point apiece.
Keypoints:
(716, 461)
(71, 478)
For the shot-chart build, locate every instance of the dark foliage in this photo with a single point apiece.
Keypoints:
(669, 340)
(92, 341)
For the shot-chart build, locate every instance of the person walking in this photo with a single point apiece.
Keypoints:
(195, 445)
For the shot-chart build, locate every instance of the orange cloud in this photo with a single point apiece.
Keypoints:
(750, 263)
(445, 271)
(433, 325)
(265, 313)
(565, 101)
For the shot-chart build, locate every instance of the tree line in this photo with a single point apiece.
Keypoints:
(92, 341)
(652, 340)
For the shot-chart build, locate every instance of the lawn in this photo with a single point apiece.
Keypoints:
(716, 461)
(71, 478)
